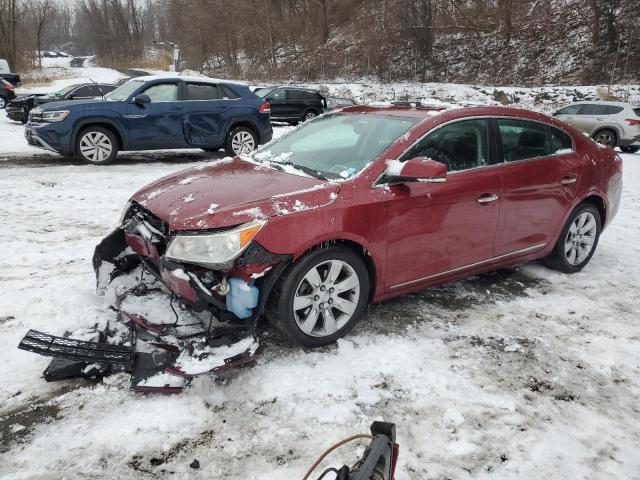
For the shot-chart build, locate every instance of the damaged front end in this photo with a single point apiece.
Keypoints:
(220, 299)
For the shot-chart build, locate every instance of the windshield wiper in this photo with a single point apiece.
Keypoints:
(308, 170)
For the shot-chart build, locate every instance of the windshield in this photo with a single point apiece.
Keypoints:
(336, 146)
(124, 91)
(64, 91)
(263, 92)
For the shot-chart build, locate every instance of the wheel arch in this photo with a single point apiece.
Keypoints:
(243, 122)
(599, 203)
(612, 128)
(357, 248)
(102, 123)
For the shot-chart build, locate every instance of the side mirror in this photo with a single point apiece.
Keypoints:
(141, 99)
(418, 169)
(72, 96)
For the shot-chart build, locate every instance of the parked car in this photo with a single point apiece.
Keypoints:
(154, 112)
(5, 74)
(292, 104)
(7, 93)
(335, 103)
(366, 204)
(19, 108)
(608, 123)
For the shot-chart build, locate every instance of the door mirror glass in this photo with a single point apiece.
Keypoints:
(418, 169)
(141, 99)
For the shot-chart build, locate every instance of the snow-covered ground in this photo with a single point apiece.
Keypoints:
(521, 373)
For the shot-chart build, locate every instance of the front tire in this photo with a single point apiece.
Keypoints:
(578, 240)
(321, 297)
(240, 141)
(97, 146)
(3, 103)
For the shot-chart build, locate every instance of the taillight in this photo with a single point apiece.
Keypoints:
(265, 108)
(9, 87)
(632, 122)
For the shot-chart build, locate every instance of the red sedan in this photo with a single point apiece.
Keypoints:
(364, 205)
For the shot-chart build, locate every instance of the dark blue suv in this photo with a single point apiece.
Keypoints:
(154, 112)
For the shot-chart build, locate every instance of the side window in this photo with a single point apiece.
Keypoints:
(107, 88)
(83, 92)
(296, 95)
(560, 141)
(522, 139)
(570, 110)
(202, 91)
(164, 92)
(227, 93)
(277, 95)
(613, 109)
(460, 146)
(593, 109)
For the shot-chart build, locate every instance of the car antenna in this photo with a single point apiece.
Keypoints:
(97, 85)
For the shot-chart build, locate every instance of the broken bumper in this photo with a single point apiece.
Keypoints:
(235, 292)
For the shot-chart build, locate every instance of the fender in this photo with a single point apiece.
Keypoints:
(240, 120)
(116, 122)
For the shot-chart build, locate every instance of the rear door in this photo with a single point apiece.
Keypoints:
(539, 175)
(203, 114)
(157, 124)
(438, 229)
(278, 101)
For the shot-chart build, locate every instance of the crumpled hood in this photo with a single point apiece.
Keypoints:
(229, 192)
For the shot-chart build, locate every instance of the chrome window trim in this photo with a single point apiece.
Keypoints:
(532, 248)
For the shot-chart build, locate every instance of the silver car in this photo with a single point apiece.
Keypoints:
(609, 123)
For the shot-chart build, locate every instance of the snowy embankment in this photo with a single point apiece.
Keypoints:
(522, 373)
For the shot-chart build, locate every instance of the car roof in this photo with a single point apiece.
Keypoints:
(601, 102)
(445, 115)
(186, 78)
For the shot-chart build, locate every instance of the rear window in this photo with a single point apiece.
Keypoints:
(560, 141)
(202, 91)
(570, 110)
(595, 109)
(522, 139)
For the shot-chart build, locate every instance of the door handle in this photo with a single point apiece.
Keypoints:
(487, 198)
(175, 109)
(568, 180)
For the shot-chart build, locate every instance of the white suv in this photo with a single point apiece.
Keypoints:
(609, 123)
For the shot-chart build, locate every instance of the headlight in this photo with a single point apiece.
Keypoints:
(213, 248)
(56, 116)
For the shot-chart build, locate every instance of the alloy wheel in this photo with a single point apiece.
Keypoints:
(326, 298)
(309, 116)
(243, 142)
(605, 138)
(3, 103)
(95, 146)
(580, 238)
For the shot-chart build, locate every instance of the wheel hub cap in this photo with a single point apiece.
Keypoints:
(580, 238)
(243, 142)
(326, 298)
(95, 146)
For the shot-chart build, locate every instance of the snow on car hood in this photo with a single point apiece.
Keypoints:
(229, 192)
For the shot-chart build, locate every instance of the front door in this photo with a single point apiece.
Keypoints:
(437, 229)
(540, 175)
(278, 102)
(157, 124)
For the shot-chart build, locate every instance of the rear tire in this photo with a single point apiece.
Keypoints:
(630, 149)
(240, 141)
(606, 137)
(97, 146)
(321, 297)
(3, 103)
(309, 115)
(578, 240)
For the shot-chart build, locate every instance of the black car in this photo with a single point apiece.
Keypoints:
(293, 104)
(6, 93)
(19, 108)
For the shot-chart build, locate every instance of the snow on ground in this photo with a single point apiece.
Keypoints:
(521, 373)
